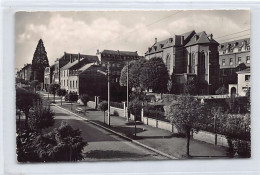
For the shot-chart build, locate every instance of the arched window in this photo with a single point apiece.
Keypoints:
(202, 63)
(168, 62)
(193, 63)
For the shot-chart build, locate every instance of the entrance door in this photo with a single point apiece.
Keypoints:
(233, 92)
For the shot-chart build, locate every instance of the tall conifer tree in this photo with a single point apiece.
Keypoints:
(40, 62)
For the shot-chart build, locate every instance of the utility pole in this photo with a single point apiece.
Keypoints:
(127, 90)
(108, 93)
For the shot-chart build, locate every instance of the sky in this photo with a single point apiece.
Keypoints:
(86, 31)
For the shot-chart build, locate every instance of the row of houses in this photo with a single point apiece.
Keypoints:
(79, 73)
(186, 56)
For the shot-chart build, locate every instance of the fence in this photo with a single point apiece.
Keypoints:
(201, 135)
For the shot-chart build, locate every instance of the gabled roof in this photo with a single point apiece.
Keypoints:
(123, 53)
(88, 59)
(69, 64)
(201, 38)
(86, 66)
(247, 70)
(170, 42)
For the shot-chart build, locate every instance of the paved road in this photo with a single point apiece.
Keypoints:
(103, 145)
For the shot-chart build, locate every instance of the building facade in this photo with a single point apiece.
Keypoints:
(189, 55)
(243, 83)
(234, 56)
(70, 72)
(117, 60)
(25, 72)
(48, 75)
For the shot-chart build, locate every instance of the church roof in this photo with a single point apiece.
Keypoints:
(201, 38)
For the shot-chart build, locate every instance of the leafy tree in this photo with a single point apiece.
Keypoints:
(25, 100)
(221, 91)
(103, 106)
(61, 93)
(71, 97)
(40, 62)
(135, 107)
(40, 118)
(191, 86)
(154, 75)
(187, 114)
(123, 75)
(61, 144)
(53, 89)
(84, 98)
(237, 129)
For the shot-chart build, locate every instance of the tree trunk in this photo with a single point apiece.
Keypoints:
(188, 141)
(104, 117)
(135, 126)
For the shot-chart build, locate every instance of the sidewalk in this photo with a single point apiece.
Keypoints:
(158, 139)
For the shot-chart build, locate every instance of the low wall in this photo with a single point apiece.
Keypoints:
(210, 138)
(91, 104)
(201, 135)
(121, 112)
(159, 124)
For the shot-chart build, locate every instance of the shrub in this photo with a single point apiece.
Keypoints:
(117, 105)
(40, 118)
(61, 144)
(115, 113)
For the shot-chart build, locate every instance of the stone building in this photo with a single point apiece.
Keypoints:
(234, 56)
(48, 75)
(243, 83)
(25, 72)
(70, 72)
(189, 55)
(62, 61)
(117, 60)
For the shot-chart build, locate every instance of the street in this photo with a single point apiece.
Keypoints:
(103, 145)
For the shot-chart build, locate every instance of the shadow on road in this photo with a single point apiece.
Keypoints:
(110, 154)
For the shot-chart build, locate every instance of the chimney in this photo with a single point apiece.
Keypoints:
(97, 52)
(155, 40)
(79, 57)
(211, 36)
(182, 40)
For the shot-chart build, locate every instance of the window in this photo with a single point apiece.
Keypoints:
(73, 83)
(168, 62)
(223, 62)
(248, 60)
(247, 77)
(202, 69)
(118, 65)
(231, 61)
(64, 83)
(103, 64)
(67, 82)
(67, 72)
(70, 83)
(193, 63)
(239, 60)
(76, 83)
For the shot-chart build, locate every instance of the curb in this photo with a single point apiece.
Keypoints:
(120, 135)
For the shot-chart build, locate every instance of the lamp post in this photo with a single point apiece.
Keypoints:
(108, 93)
(127, 89)
(108, 89)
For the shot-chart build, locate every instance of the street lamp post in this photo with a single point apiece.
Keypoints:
(108, 93)
(127, 89)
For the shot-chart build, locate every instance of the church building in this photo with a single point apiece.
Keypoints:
(187, 56)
